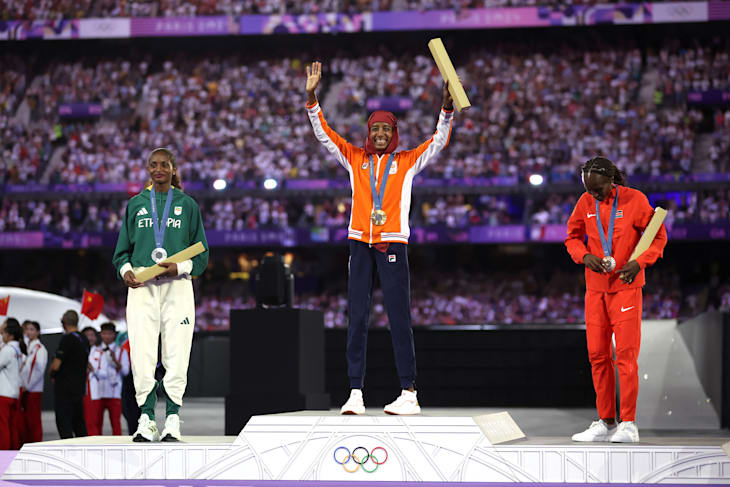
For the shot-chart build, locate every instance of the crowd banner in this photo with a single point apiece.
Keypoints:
(421, 183)
(183, 26)
(80, 110)
(337, 235)
(390, 103)
(325, 23)
(21, 240)
(671, 12)
(20, 30)
(106, 28)
(482, 18)
(339, 23)
(718, 10)
(709, 97)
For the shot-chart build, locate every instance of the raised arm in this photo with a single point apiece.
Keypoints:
(426, 153)
(314, 76)
(333, 142)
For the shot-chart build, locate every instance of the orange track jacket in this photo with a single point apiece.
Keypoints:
(397, 197)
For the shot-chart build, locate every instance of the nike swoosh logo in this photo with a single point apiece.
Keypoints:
(589, 215)
(626, 309)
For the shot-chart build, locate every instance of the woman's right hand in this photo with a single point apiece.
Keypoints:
(593, 263)
(131, 281)
(314, 76)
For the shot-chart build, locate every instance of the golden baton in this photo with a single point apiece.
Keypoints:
(182, 256)
(438, 51)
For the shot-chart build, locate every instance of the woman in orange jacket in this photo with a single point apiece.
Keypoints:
(381, 181)
(612, 216)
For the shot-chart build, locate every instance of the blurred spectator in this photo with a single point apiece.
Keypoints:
(12, 356)
(33, 376)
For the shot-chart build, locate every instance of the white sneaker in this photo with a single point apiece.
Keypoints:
(597, 431)
(172, 429)
(354, 404)
(406, 403)
(627, 432)
(146, 430)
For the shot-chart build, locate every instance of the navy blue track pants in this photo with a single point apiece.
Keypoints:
(392, 268)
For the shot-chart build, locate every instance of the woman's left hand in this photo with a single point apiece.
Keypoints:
(448, 103)
(628, 272)
(170, 269)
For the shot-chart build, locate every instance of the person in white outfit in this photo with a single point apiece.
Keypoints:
(12, 356)
(113, 366)
(32, 375)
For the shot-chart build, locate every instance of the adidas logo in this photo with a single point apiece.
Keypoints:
(186, 321)
(143, 211)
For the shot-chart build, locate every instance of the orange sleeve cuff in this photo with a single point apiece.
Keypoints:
(308, 106)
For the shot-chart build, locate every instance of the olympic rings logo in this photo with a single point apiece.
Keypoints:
(360, 461)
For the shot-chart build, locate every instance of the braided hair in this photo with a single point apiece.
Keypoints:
(603, 166)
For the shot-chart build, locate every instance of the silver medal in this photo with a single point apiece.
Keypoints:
(608, 263)
(159, 254)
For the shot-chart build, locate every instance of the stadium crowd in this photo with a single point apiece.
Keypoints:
(454, 211)
(720, 147)
(238, 117)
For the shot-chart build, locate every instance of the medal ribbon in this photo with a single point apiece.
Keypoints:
(606, 242)
(159, 229)
(378, 196)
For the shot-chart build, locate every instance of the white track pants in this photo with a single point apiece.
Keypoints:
(167, 308)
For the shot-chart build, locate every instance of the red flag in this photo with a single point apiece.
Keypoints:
(91, 304)
(4, 303)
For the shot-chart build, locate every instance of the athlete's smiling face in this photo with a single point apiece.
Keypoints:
(160, 168)
(380, 135)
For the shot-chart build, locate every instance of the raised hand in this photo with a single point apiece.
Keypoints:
(448, 103)
(314, 76)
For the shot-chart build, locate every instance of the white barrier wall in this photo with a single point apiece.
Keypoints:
(671, 394)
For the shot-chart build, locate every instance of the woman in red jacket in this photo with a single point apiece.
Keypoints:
(612, 216)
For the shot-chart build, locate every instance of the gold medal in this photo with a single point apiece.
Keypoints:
(378, 217)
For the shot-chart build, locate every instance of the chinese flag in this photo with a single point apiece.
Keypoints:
(4, 303)
(91, 304)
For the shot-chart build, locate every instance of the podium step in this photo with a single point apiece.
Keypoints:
(291, 449)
